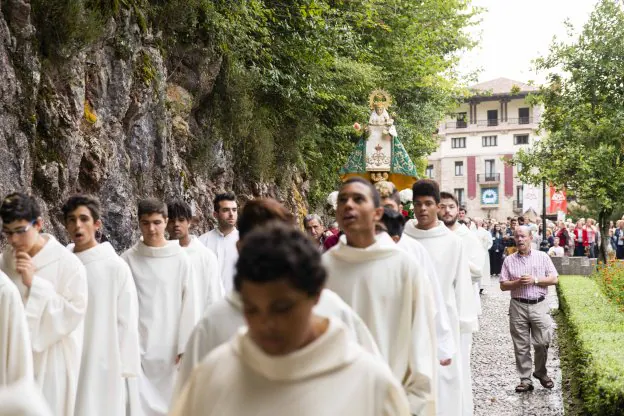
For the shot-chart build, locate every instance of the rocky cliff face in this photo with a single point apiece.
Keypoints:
(115, 119)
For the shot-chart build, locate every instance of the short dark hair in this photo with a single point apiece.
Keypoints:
(226, 196)
(179, 209)
(448, 195)
(82, 200)
(374, 192)
(395, 197)
(461, 208)
(152, 206)
(394, 222)
(426, 187)
(278, 251)
(259, 211)
(19, 206)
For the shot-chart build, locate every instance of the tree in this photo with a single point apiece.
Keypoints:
(584, 115)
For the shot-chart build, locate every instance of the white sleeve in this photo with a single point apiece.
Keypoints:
(16, 361)
(190, 306)
(128, 325)
(52, 315)
(423, 363)
(446, 342)
(464, 294)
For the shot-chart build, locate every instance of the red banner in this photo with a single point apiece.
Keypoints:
(558, 201)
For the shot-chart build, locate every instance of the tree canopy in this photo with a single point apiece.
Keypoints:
(295, 75)
(583, 113)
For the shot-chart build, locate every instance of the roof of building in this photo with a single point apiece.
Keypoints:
(501, 86)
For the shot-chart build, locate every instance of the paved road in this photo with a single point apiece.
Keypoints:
(493, 365)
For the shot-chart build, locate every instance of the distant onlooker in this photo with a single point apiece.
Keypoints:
(556, 250)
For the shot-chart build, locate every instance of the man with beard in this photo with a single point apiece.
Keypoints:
(222, 240)
(527, 274)
(208, 283)
(389, 291)
(451, 263)
(164, 279)
(448, 213)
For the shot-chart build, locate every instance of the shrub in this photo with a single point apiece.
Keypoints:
(594, 337)
(611, 280)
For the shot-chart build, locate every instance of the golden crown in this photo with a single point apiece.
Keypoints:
(379, 98)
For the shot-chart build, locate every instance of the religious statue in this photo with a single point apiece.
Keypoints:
(380, 155)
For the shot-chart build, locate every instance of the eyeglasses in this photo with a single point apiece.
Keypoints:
(18, 232)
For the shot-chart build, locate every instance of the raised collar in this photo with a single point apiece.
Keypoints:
(99, 252)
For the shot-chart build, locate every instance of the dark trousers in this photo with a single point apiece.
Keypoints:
(579, 250)
(619, 252)
(496, 262)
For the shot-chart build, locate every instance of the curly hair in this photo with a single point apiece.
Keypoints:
(426, 187)
(19, 206)
(260, 211)
(81, 200)
(278, 251)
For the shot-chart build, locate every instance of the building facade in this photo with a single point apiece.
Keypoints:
(487, 129)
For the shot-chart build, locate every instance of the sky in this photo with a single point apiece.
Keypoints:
(515, 32)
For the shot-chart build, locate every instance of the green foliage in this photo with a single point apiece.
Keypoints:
(610, 276)
(295, 75)
(584, 114)
(307, 68)
(593, 338)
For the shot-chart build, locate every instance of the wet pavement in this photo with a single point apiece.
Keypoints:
(493, 364)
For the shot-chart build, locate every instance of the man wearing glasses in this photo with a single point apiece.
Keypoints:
(53, 286)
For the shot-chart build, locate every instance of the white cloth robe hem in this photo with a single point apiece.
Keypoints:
(208, 282)
(168, 312)
(15, 352)
(447, 252)
(330, 376)
(444, 333)
(222, 319)
(370, 280)
(111, 342)
(23, 399)
(55, 307)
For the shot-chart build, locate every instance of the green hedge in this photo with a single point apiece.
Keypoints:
(593, 334)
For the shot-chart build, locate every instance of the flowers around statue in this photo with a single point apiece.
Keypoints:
(356, 126)
(332, 200)
(407, 197)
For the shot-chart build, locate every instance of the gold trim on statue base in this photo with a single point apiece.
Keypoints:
(400, 181)
(378, 176)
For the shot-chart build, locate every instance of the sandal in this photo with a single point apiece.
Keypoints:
(545, 381)
(524, 387)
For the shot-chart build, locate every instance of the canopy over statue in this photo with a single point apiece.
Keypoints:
(380, 155)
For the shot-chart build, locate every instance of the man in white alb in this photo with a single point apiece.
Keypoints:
(205, 264)
(110, 352)
(448, 213)
(389, 291)
(451, 263)
(222, 240)
(164, 279)
(53, 285)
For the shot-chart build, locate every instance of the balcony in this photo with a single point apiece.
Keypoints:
(517, 206)
(492, 124)
(488, 177)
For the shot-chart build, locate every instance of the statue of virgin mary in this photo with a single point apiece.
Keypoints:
(380, 155)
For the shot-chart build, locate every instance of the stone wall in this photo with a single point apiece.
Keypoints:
(581, 266)
(116, 120)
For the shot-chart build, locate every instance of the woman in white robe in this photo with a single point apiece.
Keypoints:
(288, 361)
(15, 352)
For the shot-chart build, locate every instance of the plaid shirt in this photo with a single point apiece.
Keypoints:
(536, 263)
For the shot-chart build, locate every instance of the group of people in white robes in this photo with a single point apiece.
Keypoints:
(248, 319)
(86, 331)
